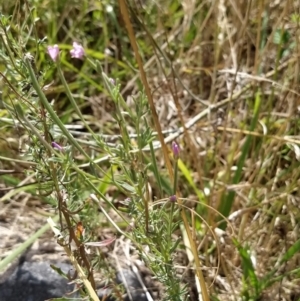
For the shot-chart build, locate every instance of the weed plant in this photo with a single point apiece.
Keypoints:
(177, 127)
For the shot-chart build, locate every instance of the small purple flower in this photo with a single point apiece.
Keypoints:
(53, 51)
(56, 146)
(175, 150)
(173, 198)
(77, 51)
(112, 81)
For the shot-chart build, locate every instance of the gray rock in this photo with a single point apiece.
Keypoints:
(132, 283)
(34, 281)
(37, 281)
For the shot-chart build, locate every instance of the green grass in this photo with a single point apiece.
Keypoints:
(220, 80)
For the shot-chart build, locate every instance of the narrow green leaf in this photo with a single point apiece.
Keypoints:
(295, 248)
(227, 199)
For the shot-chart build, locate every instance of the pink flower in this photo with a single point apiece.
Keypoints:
(175, 150)
(56, 146)
(173, 198)
(53, 51)
(77, 51)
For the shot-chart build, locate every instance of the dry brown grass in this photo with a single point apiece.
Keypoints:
(210, 66)
(236, 47)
